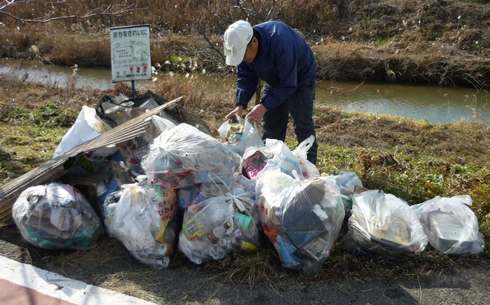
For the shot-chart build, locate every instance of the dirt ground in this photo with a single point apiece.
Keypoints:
(462, 281)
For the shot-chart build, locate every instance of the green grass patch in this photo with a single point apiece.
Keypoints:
(48, 115)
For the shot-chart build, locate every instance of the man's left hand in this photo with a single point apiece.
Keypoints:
(257, 113)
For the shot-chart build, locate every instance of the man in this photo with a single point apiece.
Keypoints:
(279, 55)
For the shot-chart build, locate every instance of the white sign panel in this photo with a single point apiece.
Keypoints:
(130, 53)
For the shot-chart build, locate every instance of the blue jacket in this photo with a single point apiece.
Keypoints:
(284, 61)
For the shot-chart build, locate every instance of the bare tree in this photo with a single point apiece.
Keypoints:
(109, 10)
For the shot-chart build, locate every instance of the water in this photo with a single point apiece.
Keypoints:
(434, 104)
(56, 76)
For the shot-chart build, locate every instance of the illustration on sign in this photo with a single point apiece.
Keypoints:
(130, 53)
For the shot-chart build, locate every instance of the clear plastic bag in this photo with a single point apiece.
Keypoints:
(87, 126)
(302, 218)
(56, 216)
(217, 226)
(308, 169)
(240, 134)
(383, 223)
(241, 187)
(451, 225)
(162, 123)
(143, 218)
(183, 156)
(348, 182)
(274, 154)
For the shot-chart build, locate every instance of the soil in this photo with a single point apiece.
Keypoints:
(110, 266)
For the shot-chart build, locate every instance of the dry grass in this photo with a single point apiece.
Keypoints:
(380, 40)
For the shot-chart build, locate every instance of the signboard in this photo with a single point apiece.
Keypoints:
(130, 53)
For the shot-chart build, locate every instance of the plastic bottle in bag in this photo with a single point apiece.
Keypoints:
(56, 216)
(302, 218)
(383, 223)
(451, 225)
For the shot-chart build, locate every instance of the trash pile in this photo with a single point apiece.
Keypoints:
(177, 188)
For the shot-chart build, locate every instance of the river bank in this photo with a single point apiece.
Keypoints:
(425, 42)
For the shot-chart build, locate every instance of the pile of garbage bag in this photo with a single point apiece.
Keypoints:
(56, 216)
(177, 188)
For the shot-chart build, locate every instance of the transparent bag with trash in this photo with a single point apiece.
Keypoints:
(382, 223)
(143, 218)
(87, 126)
(308, 169)
(276, 154)
(194, 194)
(348, 182)
(451, 226)
(183, 156)
(56, 216)
(239, 134)
(216, 226)
(302, 218)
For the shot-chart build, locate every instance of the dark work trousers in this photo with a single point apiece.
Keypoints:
(300, 106)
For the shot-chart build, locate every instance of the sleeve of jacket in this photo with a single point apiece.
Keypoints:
(247, 81)
(286, 67)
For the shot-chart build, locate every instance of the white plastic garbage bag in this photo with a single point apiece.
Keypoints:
(183, 156)
(348, 182)
(302, 218)
(56, 216)
(384, 223)
(308, 169)
(143, 218)
(217, 226)
(87, 126)
(276, 154)
(240, 134)
(451, 225)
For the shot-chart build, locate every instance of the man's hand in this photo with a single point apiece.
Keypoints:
(257, 113)
(238, 111)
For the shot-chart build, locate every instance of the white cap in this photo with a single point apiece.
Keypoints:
(236, 38)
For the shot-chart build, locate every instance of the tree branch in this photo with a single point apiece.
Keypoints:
(108, 11)
(211, 45)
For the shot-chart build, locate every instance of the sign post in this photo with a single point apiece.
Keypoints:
(130, 54)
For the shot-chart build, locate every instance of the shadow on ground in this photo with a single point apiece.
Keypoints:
(109, 265)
